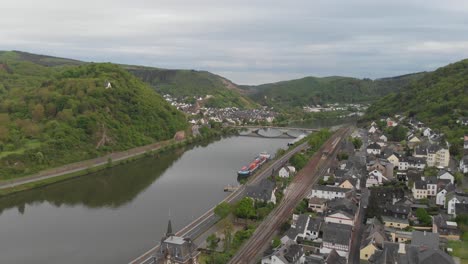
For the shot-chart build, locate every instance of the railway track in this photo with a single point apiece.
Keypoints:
(298, 189)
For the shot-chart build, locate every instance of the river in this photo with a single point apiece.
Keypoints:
(114, 215)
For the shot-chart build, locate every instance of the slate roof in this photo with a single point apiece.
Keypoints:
(316, 200)
(293, 253)
(181, 249)
(374, 146)
(289, 252)
(424, 255)
(334, 258)
(330, 188)
(433, 148)
(427, 239)
(442, 172)
(372, 231)
(344, 205)
(420, 184)
(388, 255)
(315, 224)
(396, 209)
(337, 233)
(300, 226)
(461, 208)
(416, 161)
(261, 191)
(443, 227)
(420, 150)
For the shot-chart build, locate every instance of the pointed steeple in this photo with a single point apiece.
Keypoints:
(169, 229)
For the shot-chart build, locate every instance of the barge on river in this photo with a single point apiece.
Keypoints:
(254, 165)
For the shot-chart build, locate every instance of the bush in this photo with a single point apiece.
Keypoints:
(223, 210)
(245, 209)
(423, 217)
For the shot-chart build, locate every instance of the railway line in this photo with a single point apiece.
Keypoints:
(298, 189)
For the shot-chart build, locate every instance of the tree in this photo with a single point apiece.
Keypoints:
(38, 112)
(298, 160)
(212, 242)
(458, 178)
(222, 210)
(342, 156)
(357, 142)
(227, 230)
(423, 216)
(245, 208)
(276, 242)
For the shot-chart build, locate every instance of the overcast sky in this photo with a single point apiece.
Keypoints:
(249, 42)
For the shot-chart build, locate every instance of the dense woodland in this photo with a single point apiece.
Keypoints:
(53, 115)
(438, 99)
(55, 111)
(312, 90)
(189, 83)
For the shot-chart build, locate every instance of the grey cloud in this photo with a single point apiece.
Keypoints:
(247, 41)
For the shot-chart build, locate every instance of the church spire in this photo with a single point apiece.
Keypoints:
(169, 229)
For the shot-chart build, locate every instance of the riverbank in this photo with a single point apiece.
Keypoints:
(86, 167)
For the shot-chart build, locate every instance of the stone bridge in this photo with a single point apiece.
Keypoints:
(273, 132)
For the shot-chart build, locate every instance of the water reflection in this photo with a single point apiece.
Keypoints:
(109, 188)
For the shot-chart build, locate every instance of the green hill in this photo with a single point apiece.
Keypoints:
(438, 99)
(314, 90)
(189, 83)
(61, 113)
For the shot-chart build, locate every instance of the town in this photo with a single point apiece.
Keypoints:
(389, 198)
(201, 115)
(393, 194)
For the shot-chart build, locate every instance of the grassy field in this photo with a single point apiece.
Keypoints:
(460, 249)
(31, 144)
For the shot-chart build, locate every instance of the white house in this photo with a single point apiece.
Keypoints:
(416, 163)
(445, 175)
(372, 130)
(453, 199)
(289, 253)
(431, 185)
(394, 160)
(374, 148)
(419, 189)
(427, 132)
(336, 237)
(403, 164)
(464, 164)
(442, 194)
(383, 138)
(340, 217)
(440, 197)
(375, 178)
(283, 172)
(414, 140)
(328, 192)
(437, 156)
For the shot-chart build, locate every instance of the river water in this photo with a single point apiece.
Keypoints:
(115, 215)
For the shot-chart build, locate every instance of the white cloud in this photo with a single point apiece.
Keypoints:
(249, 41)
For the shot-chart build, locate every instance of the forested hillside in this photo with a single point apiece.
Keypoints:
(61, 113)
(313, 90)
(189, 83)
(438, 99)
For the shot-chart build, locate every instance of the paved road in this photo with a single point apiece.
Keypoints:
(299, 188)
(208, 219)
(358, 229)
(82, 165)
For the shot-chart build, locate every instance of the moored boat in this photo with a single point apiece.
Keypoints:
(254, 165)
